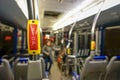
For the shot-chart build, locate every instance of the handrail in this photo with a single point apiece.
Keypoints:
(95, 21)
(70, 33)
(93, 29)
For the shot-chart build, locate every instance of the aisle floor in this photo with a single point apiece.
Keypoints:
(56, 73)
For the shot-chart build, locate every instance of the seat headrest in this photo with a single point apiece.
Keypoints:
(23, 60)
(99, 57)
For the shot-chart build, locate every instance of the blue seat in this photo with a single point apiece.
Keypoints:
(118, 57)
(99, 57)
(23, 60)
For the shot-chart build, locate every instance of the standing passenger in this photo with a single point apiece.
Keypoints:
(47, 52)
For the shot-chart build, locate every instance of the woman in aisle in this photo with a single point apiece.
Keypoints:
(47, 52)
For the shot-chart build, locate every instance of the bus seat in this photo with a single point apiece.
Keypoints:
(94, 68)
(82, 52)
(20, 69)
(113, 69)
(34, 70)
(43, 68)
(5, 71)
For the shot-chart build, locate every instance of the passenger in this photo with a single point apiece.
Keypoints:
(47, 54)
(61, 57)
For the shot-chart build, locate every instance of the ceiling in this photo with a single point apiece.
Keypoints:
(53, 10)
(13, 13)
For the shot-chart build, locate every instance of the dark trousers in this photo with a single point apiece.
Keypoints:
(48, 64)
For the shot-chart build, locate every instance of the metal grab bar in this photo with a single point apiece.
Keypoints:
(68, 45)
(94, 26)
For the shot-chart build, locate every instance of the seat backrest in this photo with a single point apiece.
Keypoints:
(82, 52)
(94, 68)
(113, 69)
(86, 53)
(34, 70)
(88, 50)
(20, 69)
(5, 71)
(79, 52)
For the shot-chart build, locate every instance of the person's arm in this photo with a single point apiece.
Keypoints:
(44, 50)
(56, 48)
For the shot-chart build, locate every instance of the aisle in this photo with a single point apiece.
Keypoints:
(56, 73)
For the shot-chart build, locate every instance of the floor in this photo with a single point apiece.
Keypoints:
(56, 73)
